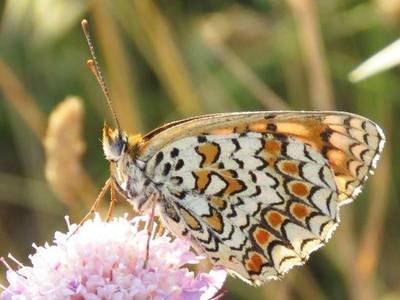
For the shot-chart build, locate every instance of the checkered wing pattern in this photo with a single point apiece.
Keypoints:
(258, 192)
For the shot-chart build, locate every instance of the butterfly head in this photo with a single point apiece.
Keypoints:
(115, 143)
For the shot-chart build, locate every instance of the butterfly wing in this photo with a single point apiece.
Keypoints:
(258, 192)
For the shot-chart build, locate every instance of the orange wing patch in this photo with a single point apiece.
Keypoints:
(300, 211)
(222, 131)
(202, 179)
(308, 131)
(272, 147)
(190, 220)
(262, 237)
(271, 151)
(209, 153)
(338, 160)
(233, 185)
(289, 167)
(299, 189)
(255, 262)
(218, 203)
(259, 126)
(214, 220)
(274, 218)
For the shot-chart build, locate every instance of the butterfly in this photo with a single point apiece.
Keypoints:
(256, 192)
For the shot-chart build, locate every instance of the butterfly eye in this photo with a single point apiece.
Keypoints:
(114, 143)
(114, 151)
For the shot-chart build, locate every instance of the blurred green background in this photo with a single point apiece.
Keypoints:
(166, 60)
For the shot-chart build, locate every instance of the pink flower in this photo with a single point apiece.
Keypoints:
(106, 261)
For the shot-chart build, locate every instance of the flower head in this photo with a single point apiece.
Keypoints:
(107, 261)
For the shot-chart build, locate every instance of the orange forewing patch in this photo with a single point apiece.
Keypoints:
(222, 131)
(296, 128)
(242, 128)
(259, 126)
(356, 168)
(338, 161)
(307, 130)
(272, 147)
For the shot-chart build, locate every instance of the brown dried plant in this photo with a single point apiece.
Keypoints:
(64, 148)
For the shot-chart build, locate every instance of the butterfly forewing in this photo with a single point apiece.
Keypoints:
(349, 142)
(258, 192)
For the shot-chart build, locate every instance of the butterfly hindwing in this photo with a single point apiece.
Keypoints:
(255, 203)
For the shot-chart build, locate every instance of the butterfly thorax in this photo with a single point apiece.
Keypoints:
(127, 168)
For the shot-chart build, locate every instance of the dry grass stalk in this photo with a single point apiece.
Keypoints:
(306, 285)
(298, 281)
(64, 149)
(21, 100)
(150, 31)
(370, 244)
(251, 30)
(121, 80)
(281, 290)
(369, 248)
(390, 10)
(126, 13)
(171, 67)
(321, 94)
(306, 18)
(238, 68)
(156, 43)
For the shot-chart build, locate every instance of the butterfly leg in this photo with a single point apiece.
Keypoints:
(112, 202)
(150, 228)
(95, 205)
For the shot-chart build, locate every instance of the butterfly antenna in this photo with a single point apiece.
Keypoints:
(94, 67)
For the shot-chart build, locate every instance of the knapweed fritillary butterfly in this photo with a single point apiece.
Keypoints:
(256, 192)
